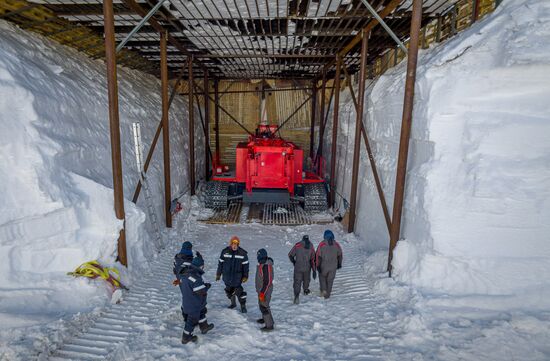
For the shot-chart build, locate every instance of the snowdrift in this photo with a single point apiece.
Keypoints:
(478, 185)
(55, 172)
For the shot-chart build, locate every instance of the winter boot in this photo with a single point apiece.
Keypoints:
(307, 291)
(243, 308)
(260, 320)
(205, 327)
(233, 302)
(268, 322)
(296, 299)
(186, 338)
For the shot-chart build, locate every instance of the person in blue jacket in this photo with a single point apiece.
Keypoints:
(194, 292)
(183, 258)
(233, 268)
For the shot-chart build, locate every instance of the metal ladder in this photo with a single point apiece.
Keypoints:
(151, 214)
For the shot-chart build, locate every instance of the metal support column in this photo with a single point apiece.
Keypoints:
(475, 10)
(206, 128)
(313, 116)
(165, 128)
(358, 126)
(405, 129)
(217, 118)
(334, 132)
(191, 127)
(114, 124)
(321, 121)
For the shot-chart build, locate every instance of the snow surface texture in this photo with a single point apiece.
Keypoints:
(368, 317)
(55, 174)
(477, 201)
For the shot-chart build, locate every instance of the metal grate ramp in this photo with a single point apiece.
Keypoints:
(232, 214)
(289, 214)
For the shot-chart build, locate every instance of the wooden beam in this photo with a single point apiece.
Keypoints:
(332, 188)
(191, 127)
(400, 177)
(207, 152)
(114, 125)
(357, 142)
(165, 129)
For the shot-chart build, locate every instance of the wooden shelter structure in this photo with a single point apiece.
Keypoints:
(310, 47)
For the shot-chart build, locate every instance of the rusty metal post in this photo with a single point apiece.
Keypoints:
(358, 126)
(206, 128)
(313, 116)
(191, 127)
(217, 118)
(165, 128)
(321, 122)
(114, 124)
(476, 7)
(334, 131)
(405, 129)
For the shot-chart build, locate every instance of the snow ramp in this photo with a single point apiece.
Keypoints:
(147, 324)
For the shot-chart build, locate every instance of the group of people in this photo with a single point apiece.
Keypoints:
(233, 269)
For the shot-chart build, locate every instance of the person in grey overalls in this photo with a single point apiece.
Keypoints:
(302, 256)
(264, 288)
(328, 260)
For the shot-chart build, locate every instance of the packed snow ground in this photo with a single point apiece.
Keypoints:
(369, 316)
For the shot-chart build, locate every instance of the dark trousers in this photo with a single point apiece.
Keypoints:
(326, 279)
(299, 279)
(192, 320)
(238, 292)
(266, 310)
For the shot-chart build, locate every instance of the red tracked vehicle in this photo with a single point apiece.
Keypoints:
(268, 169)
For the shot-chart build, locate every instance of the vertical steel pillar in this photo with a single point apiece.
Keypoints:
(165, 128)
(358, 126)
(334, 131)
(217, 118)
(114, 124)
(321, 122)
(475, 10)
(191, 126)
(313, 116)
(405, 129)
(206, 127)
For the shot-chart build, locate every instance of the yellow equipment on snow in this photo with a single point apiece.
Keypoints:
(94, 270)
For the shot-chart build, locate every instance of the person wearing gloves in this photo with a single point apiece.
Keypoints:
(194, 293)
(264, 288)
(302, 256)
(328, 260)
(182, 261)
(233, 269)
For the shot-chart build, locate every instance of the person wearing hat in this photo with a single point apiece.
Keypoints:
(302, 256)
(183, 258)
(328, 260)
(194, 294)
(264, 288)
(233, 269)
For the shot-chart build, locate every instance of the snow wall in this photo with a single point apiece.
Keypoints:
(55, 170)
(477, 208)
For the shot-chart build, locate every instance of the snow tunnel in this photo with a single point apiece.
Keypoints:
(416, 131)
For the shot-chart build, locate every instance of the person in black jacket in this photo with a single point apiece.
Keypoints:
(233, 268)
(194, 293)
